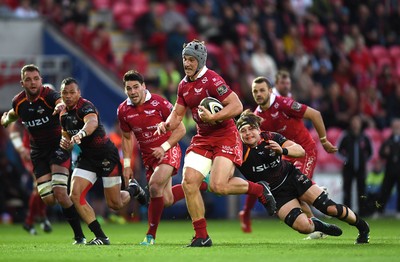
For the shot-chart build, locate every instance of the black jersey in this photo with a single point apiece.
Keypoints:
(37, 117)
(72, 122)
(263, 164)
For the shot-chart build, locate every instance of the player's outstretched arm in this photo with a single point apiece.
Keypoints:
(318, 123)
(8, 117)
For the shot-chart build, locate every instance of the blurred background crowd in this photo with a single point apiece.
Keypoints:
(343, 55)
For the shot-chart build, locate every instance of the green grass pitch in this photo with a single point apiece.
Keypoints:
(271, 240)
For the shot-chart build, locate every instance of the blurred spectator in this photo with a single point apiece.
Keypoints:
(172, 18)
(393, 104)
(52, 11)
(100, 46)
(390, 152)
(373, 183)
(134, 58)
(207, 24)
(262, 63)
(372, 107)
(169, 78)
(355, 149)
(25, 10)
(174, 42)
(386, 81)
(333, 108)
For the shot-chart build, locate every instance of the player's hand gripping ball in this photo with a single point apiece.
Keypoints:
(213, 105)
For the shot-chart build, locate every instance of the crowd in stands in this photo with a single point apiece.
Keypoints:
(343, 55)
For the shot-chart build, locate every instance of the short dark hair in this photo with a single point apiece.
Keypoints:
(133, 75)
(29, 68)
(68, 81)
(282, 74)
(248, 118)
(262, 79)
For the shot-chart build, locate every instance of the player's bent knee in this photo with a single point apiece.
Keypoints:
(292, 216)
(323, 202)
(59, 180)
(45, 191)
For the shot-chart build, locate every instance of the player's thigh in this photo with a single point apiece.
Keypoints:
(222, 170)
(81, 180)
(161, 175)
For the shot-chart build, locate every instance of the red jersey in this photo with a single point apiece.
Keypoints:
(143, 120)
(285, 116)
(190, 94)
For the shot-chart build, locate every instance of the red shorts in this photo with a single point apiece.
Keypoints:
(306, 164)
(172, 157)
(229, 146)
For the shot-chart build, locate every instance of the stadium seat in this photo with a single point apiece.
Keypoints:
(101, 4)
(378, 51)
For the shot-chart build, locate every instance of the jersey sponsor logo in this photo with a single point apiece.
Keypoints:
(276, 105)
(275, 115)
(132, 116)
(40, 110)
(222, 90)
(36, 122)
(204, 80)
(198, 91)
(149, 112)
(296, 106)
(263, 167)
(105, 162)
(136, 129)
(218, 83)
(155, 103)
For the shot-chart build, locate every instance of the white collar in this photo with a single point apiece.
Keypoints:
(202, 72)
(147, 98)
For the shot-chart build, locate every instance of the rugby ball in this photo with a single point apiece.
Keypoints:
(213, 105)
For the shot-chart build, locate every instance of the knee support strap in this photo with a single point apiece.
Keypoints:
(45, 189)
(292, 216)
(323, 202)
(59, 179)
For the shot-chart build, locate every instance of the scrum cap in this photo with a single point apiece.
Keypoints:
(198, 50)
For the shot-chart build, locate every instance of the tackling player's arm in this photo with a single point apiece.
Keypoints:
(127, 148)
(288, 148)
(16, 140)
(318, 123)
(8, 117)
(91, 123)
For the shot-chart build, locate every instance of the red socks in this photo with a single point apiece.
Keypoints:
(155, 210)
(200, 227)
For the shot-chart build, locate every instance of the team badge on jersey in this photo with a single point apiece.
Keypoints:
(296, 106)
(222, 90)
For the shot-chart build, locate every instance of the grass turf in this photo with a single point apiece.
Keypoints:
(271, 240)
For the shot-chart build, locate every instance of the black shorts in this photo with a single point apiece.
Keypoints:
(103, 161)
(43, 158)
(295, 185)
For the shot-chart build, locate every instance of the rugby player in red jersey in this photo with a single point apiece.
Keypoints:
(139, 114)
(216, 148)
